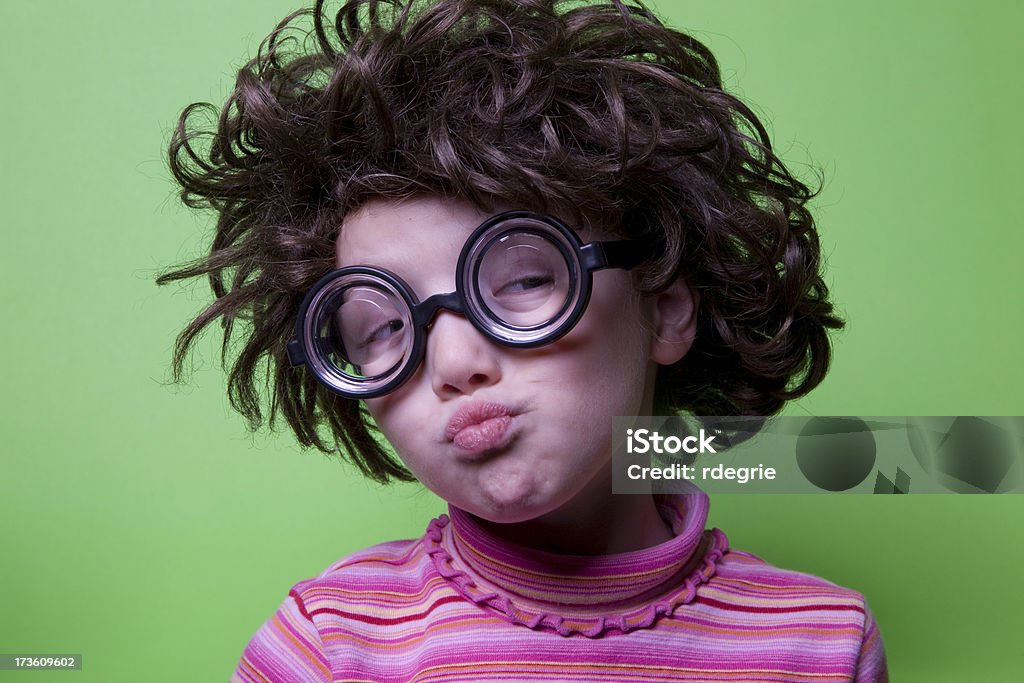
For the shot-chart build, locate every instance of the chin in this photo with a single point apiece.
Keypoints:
(505, 513)
(516, 509)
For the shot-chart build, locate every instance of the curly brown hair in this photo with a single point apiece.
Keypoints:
(596, 106)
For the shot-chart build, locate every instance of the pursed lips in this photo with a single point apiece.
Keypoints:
(479, 425)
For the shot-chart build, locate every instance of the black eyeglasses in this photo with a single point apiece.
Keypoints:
(523, 280)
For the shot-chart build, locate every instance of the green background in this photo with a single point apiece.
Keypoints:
(145, 528)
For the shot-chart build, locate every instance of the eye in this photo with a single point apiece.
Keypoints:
(383, 332)
(524, 284)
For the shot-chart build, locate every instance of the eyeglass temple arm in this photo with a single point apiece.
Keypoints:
(614, 254)
(295, 355)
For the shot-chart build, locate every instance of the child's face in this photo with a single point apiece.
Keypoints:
(506, 434)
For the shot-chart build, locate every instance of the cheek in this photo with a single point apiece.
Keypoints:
(615, 324)
(605, 357)
(403, 430)
(377, 407)
(408, 419)
(388, 412)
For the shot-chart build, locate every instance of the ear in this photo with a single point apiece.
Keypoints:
(674, 323)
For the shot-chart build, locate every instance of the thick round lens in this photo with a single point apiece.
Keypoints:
(365, 332)
(524, 280)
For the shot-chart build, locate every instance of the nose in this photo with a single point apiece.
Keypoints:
(459, 359)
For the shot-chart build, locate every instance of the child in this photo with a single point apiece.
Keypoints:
(481, 229)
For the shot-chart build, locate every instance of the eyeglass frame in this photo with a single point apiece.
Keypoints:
(591, 257)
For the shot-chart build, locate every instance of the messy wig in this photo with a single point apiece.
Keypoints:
(596, 106)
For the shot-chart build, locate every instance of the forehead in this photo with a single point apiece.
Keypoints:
(400, 232)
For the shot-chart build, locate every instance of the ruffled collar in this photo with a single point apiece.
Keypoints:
(574, 594)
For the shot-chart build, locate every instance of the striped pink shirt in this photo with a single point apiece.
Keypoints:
(462, 605)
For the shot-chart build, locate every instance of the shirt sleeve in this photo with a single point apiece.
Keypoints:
(286, 649)
(871, 665)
